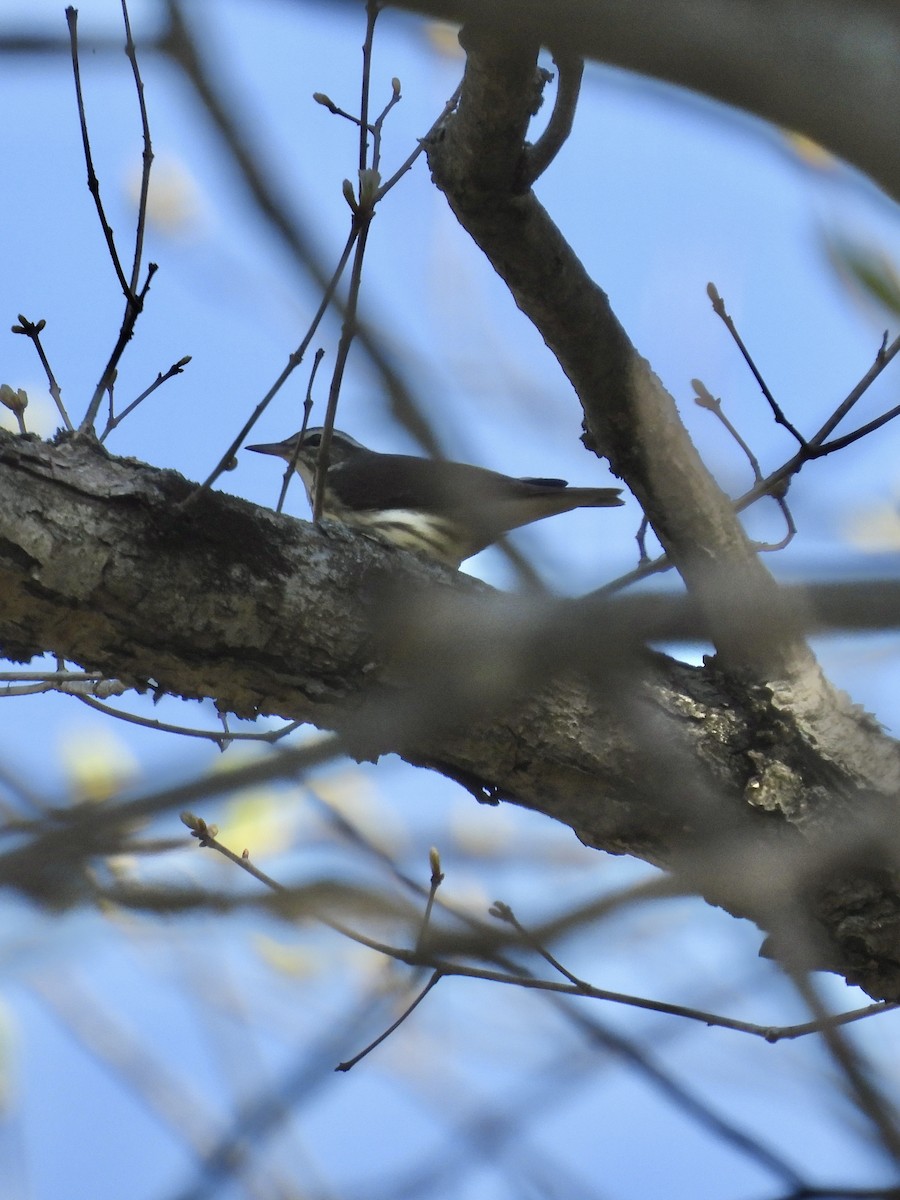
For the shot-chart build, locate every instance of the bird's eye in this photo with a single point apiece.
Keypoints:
(313, 439)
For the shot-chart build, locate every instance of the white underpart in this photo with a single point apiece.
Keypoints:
(425, 532)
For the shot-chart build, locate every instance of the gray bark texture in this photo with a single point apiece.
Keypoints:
(827, 70)
(776, 801)
(751, 779)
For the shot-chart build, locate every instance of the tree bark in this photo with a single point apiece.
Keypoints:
(685, 767)
(827, 70)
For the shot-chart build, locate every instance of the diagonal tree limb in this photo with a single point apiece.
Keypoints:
(688, 768)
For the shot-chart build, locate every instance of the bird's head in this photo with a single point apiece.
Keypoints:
(342, 448)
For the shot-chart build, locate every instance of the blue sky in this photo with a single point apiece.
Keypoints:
(660, 193)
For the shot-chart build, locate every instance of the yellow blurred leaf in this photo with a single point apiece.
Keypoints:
(258, 821)
(298, 962)
(869, 269)
(875, 530)
(97, 763)
(444, 37)
(810, 153)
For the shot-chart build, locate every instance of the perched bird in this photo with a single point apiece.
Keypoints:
(445, 510)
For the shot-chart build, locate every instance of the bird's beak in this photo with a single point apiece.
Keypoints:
(279, 449)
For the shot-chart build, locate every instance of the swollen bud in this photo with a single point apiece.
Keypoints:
(15, 401)
(369, 183)
(704, 398)
(347, 189)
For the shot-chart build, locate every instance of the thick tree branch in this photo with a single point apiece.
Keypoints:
(638, 753)
(477, 161)
(827, 70)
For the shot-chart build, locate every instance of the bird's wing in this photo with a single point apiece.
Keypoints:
(384, 481)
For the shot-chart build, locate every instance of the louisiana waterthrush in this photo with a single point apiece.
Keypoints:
(445, 510)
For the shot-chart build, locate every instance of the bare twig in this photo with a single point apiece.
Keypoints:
(776, 482)
(134, 297)
(373, 7)
(147, 155)
(853, 1067)
(503, 912)
(92, 180)
(360, 225)
(133, 309)
(83, 688)
(437, 878)
(395, 1025)
(293, 362)
(790, 529)
(210, 735)
(849, 438)
(51, 677)
(65, 833)
(705, 399)
(175, 369)
(537, 158)
(307, 410)
(378, 124)
(641, 538)
(720, 311)
(206, 834)
(769, 1033)
(423, 142)
(885, 353)
(363, 210)
(33, 330)
(181, 44)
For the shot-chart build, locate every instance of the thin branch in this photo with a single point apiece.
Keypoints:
(769, 1033)
(82, 689)
(293, 362)
(776, 482)
(334, 109)
(790, 533)
(720, 311)
(372, 10)
(437, 878)
(885, 353)
(33, 330)
(363, 209)
(849, 438)
(221, 739)
(92, 180)
(713, 404)
(705, 399)
(206, 834)
(175, 369)
(853, 1067)
(147, 156)
(68, 832)
(181, 45)
(307, 410)
(503, 912)
(134, 298)
(537, 158)
(378, 124)
(133, 309)
(51, 676)
(395, 1025)
(359, 231)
